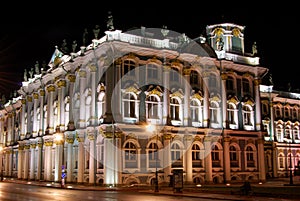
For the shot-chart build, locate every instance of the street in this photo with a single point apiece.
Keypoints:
(13, 191)
(20, 192)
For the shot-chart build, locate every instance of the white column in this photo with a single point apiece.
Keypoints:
(118, 159)
(8, 162)
(108, 168)
(224, 100)
(39, 158)
(23, 126)
(187, 98)
(188, 140)
(42, 122)
(206, 100)
(35, 123)
(82, 83)
(48, 160)
(26, 160)
(275, 159)
(71, 79)
(257, 104)
(226, 153)
(81, 151)
(50, 111)
(261, 159)
(167, 163)
(92, 169)
(20, 160)
(9, 128)
(207, 160)
(29, 107)
(70, 141)
(32, 159)
(58, 157)
(93, 111)
(61, 85)
(166, 99)
(109, 78)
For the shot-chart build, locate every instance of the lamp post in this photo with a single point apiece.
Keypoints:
(153, 129)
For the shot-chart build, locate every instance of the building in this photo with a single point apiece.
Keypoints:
(136, 107)
(280, 117)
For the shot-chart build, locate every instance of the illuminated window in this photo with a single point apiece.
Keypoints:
(197, 156)
(129, 102)
(153, 155)
(176, 156)
(233, 156)
(215, 156)
(152, 107)
(250, 157)
(130, 155)
(175, 108)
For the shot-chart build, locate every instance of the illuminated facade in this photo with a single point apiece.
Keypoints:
(89, 114)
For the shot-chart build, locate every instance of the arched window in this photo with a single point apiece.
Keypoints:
(129, 102)
(153, 155)
(250, 156)
(214, 108)
(130, 151)
(233, 156)
(175, 109)
(195, 110)
(215, 156)
(248, 117)
(176, 156)
(152, 107)
(231, 113)
(197, 156)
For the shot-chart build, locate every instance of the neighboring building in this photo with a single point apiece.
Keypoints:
(280, 117)
(89, 115)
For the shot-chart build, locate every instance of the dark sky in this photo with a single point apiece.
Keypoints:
(33, 35)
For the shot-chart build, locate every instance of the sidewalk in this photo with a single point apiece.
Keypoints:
(276, 188)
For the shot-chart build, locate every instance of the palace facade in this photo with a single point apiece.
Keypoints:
(135, 107)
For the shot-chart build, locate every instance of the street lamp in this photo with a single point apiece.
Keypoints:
(152, 128)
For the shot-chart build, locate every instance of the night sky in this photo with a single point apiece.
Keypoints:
(34, 34)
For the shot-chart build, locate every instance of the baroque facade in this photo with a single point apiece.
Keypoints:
(133, 107)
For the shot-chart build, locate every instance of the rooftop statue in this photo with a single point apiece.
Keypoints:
(110, 23)
(96, 31)
(85, 37)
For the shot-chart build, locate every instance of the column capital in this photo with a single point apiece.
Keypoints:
(35, 95)
(71, 77)
(51, 88)
(61, 83)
